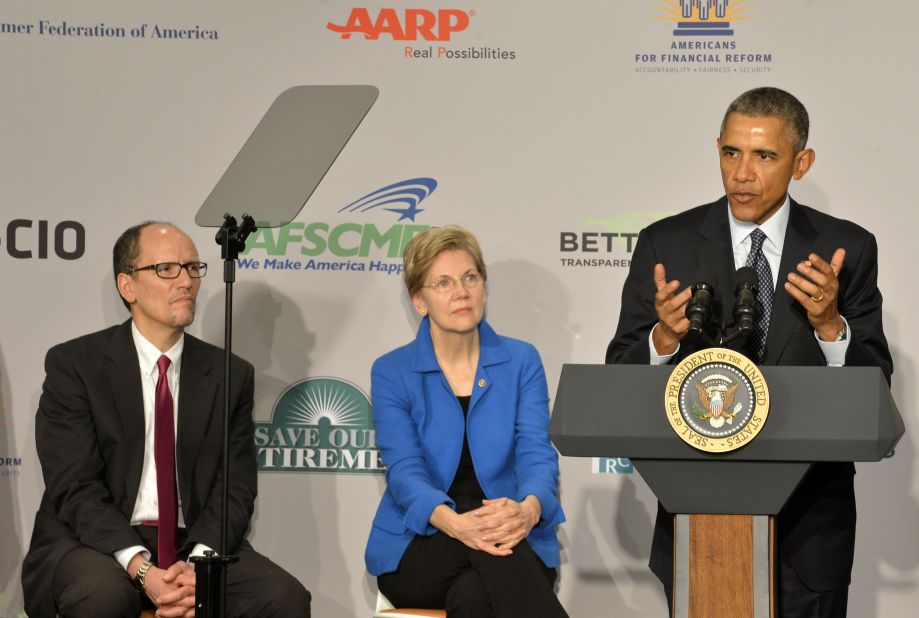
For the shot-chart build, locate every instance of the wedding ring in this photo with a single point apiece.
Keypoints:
(817, 299)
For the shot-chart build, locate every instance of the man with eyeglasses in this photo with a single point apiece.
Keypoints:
(129, 435)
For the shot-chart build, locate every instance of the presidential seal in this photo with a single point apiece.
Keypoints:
(716, 400)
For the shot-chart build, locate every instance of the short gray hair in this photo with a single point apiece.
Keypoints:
(766, 102)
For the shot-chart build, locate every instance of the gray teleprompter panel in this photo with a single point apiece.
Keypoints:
(288, 154)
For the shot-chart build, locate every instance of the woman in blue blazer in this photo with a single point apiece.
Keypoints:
(468, 518)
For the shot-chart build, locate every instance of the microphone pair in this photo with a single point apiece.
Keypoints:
(699, 307)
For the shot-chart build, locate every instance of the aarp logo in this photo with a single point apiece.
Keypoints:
(410, 25)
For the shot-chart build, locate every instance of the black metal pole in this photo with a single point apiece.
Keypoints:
(229, 277)
(210, 569)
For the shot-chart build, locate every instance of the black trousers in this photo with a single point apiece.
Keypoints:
(440, 572)
(88, 583)
(795, 600)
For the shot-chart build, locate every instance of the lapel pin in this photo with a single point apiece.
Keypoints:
(482, 382)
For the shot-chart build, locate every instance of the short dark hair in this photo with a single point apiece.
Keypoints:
(126, 250)
(766, 102)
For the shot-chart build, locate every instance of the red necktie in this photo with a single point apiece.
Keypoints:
(164, 456)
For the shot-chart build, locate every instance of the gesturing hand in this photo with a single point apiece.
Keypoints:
(816, 288)
(670, 306)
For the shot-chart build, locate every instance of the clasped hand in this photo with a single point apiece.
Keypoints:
(496, 527)
(172, 590)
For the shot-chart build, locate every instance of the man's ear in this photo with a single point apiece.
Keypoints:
(125, 285)
(803, 162)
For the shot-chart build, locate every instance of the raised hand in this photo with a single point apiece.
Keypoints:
(816, 287)
(670, 306)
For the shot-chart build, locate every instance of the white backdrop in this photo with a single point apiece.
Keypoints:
(539, 121)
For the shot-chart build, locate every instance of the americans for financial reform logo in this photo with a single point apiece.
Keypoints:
(321, 424)
(703, 38)
(368, 234)
(704, 17)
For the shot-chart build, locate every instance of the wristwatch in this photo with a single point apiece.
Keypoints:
(842, 334)
(141, 575)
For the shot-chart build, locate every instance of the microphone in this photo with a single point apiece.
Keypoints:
(699, 308)
(745, 309)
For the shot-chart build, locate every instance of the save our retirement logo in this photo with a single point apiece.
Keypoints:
(321, 424)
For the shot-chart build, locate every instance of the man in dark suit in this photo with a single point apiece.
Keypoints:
(827, 311)
(111, 535)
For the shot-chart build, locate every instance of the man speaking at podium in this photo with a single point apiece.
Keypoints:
(130, 439)
(818, 304)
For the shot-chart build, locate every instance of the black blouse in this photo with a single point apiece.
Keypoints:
(465, 490)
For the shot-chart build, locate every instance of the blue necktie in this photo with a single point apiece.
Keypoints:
(757, 261)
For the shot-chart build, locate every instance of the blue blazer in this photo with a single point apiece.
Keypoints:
(419, 430)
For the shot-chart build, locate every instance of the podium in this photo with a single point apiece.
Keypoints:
(725, 502)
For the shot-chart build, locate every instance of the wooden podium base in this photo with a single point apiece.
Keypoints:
(724, 566)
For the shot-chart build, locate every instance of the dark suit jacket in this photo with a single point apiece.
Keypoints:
(89, 431)
(816, 529)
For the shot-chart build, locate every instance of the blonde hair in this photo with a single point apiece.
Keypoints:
(424, 248)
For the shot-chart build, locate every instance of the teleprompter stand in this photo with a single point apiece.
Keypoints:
(210, 569)
(725, 502)
(273, 176)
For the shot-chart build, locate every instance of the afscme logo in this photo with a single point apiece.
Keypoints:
(429, 25)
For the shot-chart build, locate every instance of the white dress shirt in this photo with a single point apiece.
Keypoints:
(146, 507)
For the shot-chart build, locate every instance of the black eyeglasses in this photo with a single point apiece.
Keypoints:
(171, 270)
